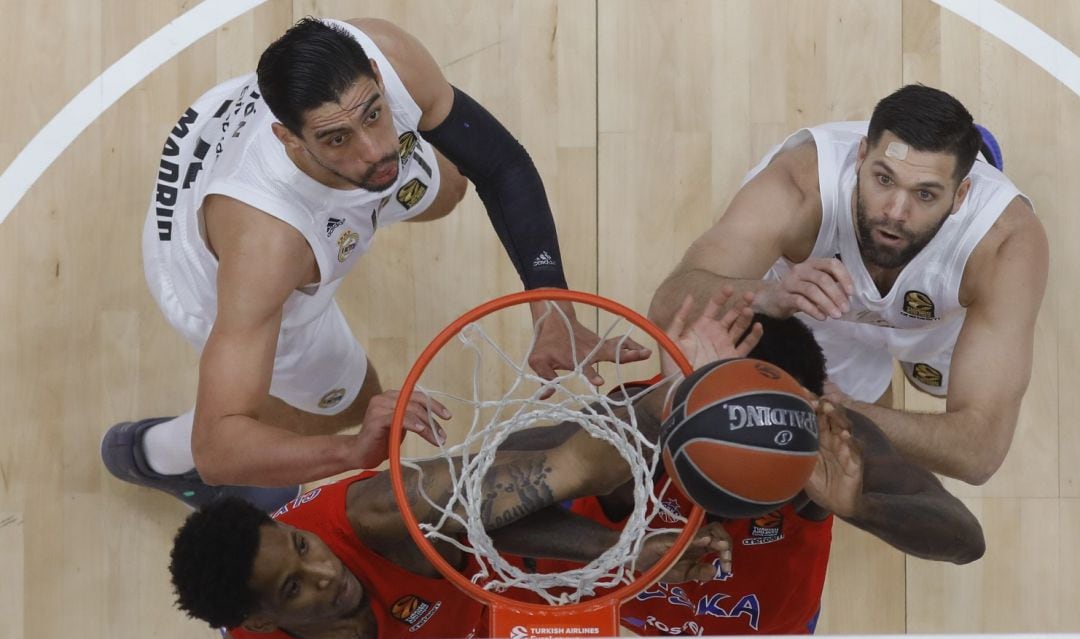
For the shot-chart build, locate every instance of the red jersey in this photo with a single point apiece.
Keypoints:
(405, 604)
(779, 563)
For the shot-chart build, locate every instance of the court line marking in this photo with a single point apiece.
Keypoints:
(1027, 39)
(989, 15)
(106, 89)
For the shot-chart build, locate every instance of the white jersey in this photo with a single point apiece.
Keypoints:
(919, 319)
(224, 144)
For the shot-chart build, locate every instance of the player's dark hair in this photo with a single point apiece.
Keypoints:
(928, 119)
(212, 559)
(312, 64)
(790, 344)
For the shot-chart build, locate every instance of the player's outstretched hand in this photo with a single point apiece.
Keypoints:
(373, 440)
(712, 336)
(836, 483)
(710, 540)
(561, 337)
(819, 287)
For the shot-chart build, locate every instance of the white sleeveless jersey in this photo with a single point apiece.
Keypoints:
(224, 144)
(918, 321)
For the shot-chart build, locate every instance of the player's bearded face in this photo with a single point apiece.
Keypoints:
(887, 242)
(354, 138)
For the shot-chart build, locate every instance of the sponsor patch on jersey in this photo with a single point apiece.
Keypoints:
(411, 193)
(406, 146)
(414, 611)
(346, 244)
(332, 398)
(918, 305)
(332, 225)
(926, 374)
(670, 512)
(765, 529)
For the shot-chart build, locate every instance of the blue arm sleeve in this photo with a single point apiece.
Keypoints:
(509, 186)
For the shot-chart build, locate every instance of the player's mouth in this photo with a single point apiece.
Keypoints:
(888, 238)
(386, 174)
(349, 593)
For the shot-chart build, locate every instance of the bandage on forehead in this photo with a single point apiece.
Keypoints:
(897, 150)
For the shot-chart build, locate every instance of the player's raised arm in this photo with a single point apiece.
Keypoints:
(776, 214)
(511, 189)
(991, 363)
(866, 482)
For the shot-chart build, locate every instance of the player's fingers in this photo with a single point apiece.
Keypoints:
(431, 431)
(678, 321)
(741, 322)
(751, 340)
(429, 402)
(631, 351)
(590, 374)
(542, 366)
(827, 282)
(840, 273)
(806, 305)
(813, 291)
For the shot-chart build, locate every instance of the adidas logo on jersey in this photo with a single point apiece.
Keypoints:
(332, 224)
(544, 259)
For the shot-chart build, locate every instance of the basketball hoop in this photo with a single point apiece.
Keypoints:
(584, 613)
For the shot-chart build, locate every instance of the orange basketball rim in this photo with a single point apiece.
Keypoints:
(508, 617)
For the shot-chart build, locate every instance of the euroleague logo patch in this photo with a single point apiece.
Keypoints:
(406, 146)
(411, 193)
(926, 374)
(414, 611)
(765, 529)
(332, 398)
(918, 305)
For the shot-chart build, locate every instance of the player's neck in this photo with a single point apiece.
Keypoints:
(883, 278)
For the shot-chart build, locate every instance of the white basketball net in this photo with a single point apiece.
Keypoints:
(590, 409)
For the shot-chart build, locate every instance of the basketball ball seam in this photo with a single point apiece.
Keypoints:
(704, 477)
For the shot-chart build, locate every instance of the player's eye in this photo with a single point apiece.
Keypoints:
(374, 115)
(926, 196)
(884, 180)
(337, 140)
(292, 591)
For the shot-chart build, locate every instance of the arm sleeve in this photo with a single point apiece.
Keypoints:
(509, 186)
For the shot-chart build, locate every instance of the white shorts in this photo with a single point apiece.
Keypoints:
(319, 366)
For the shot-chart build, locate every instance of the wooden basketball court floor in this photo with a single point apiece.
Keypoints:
(642, 117)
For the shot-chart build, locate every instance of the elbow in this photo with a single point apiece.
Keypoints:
(972, 546)
(983, 467)
(207, 459)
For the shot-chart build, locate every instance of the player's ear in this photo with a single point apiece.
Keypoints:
(259, 624)
(864, 146)
(961, 193)
(378, 75)
(284, 135)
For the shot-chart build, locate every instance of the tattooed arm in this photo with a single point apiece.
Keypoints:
(518, 484)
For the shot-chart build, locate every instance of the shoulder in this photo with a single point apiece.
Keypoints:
(412, 62)
(1014, 249)
(232, 225)
(791, 178)
(255, 250)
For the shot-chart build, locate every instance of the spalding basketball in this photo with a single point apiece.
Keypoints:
(740, 438)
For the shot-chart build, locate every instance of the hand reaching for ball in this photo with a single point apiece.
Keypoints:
(713, 335)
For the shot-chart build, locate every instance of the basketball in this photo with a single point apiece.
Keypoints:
(739, 438)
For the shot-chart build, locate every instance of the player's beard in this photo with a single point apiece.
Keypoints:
(882, 256)
(365, 181)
